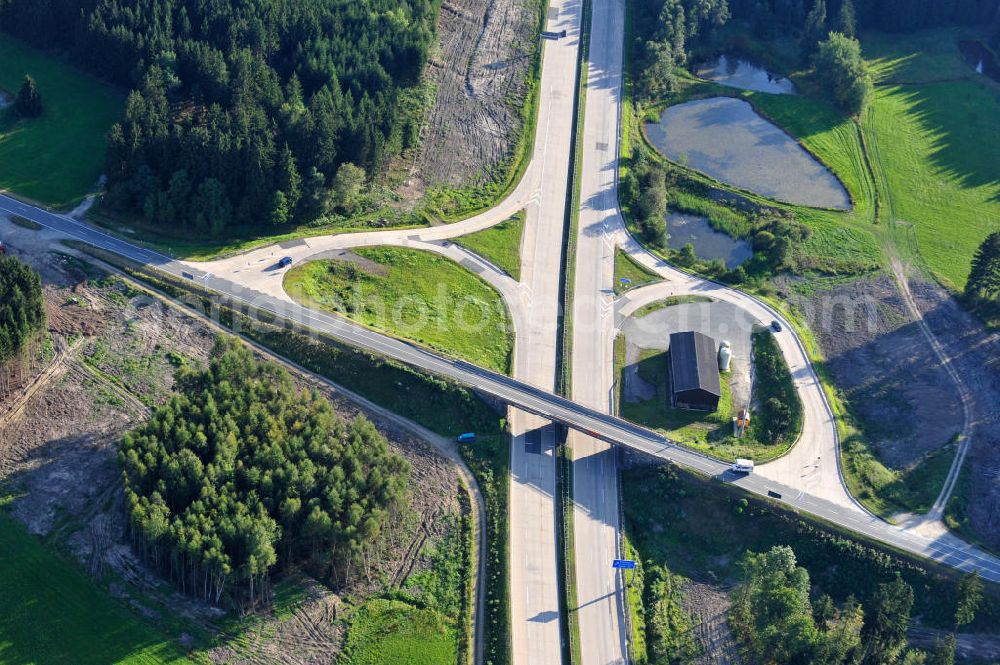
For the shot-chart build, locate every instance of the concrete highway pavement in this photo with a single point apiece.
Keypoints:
(601, 611)
(536, 633)
(944, 549)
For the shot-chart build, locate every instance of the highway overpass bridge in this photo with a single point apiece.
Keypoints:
(945, 549)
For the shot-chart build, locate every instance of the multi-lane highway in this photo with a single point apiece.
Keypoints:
(945, 549)
(536, 613)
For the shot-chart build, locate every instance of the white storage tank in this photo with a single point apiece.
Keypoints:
(725, 355)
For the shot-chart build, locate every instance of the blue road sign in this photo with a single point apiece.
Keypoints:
(626, 564)
(626, 280)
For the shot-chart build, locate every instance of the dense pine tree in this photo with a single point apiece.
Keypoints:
(28, 103)
(247, 98)
(22, 310)
(984, 277)
(240, 473)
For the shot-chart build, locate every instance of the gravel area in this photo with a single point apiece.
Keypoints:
(719, 320)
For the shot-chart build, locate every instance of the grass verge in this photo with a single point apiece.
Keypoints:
(626, 268)
(25, 223)
(667, 302)
(414, 295)
(500, 244)
(57, 157)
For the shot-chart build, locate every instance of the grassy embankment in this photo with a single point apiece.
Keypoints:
(413, 295)
(441, 406)
(55, 613)
(627, 268)
(54, 159)
(500, 244)
(674, 538)
(712, 433)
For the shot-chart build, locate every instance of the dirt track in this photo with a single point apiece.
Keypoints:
(481, 74)
(976, 356)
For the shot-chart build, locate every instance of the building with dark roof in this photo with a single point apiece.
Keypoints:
(694, 372)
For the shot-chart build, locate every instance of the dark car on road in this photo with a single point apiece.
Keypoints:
(285, 262)
(775, 326)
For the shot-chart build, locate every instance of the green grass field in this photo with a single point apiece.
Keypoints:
(53, 613)
(391, 632)
(500, 244)
(414, 295)
(887, 492)
(627, 268)
(56, 158)
(935, 148)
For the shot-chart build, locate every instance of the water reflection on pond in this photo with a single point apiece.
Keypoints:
(708, 243)
(737, 73)
(726, 139)
(980, 58)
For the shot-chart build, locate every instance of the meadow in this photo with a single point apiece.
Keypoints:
(413, 295)
(392, 632)
(54, 613)
(57, 158)
(935, 148)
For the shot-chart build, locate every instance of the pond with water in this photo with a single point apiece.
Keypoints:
(726, 139)
(980, 58)
(708, 243)
(738, 73)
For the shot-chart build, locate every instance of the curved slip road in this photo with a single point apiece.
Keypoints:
(945, 549)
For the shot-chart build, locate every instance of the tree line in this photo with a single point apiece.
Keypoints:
(242, 113)
(779, 618)
(22, 323)
(22, 309)
(775, 17)
(669, 32)
(239, 473)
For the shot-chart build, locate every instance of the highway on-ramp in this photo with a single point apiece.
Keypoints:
(944, 549)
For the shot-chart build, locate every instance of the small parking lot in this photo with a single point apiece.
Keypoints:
(719, 320)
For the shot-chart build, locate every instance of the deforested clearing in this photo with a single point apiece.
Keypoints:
(481, 71)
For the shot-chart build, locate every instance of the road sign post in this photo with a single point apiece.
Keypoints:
(624, 564)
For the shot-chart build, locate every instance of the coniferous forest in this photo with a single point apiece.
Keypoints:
(240, 473)
(241, 113)
(22, 309)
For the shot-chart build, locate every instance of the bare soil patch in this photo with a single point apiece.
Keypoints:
(708, 606)
(904, 399)
(481, 73)
(975, 353)
(119, 351)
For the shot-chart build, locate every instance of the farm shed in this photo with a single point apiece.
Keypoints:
(694, 371)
